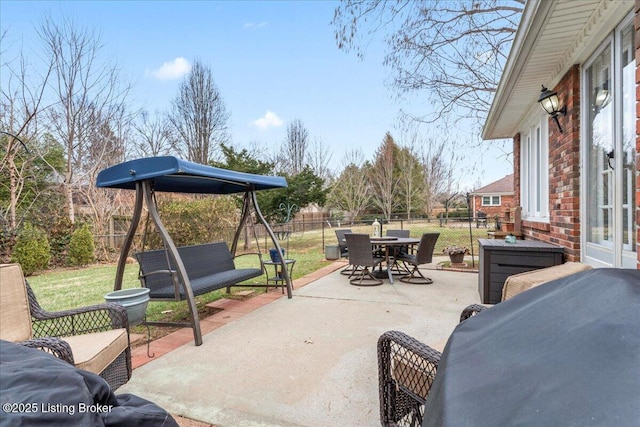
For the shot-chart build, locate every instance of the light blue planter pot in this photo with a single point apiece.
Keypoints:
(133, 300)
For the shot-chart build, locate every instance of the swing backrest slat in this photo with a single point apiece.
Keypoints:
(207, 259)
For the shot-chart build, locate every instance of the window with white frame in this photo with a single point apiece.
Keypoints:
(490, 200)
(534, 169)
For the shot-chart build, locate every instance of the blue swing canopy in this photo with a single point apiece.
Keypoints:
(170, 174)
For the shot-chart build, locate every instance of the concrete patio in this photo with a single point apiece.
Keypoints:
(308, 361)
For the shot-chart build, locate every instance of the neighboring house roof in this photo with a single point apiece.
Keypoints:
(501, 186)
(552, 36)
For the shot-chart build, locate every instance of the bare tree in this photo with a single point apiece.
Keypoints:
(351, 191)
(85, 87)
(154, 135)
(104, 147)
(20, 106)
(199, 115)
(438, 172)
(319, 157)
(293, 155)
(453, 49)
(384, 178)
(12, 148)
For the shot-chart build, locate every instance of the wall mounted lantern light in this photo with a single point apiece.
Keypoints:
(549, 102)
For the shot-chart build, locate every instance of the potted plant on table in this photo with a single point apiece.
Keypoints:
(456, 253)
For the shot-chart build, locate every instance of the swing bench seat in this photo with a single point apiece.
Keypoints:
(209, 267)
(212, 264)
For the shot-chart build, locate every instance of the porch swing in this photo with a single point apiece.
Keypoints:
(181, 273)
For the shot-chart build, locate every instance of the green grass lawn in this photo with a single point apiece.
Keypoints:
(70, 288)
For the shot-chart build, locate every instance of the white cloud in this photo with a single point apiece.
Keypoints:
(172, 70)
(252, 25)
(269, 120)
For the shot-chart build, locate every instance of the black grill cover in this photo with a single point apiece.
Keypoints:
(566, 353)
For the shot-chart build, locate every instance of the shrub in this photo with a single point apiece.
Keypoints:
(81, 247)
(32, 250)
(194, 220)
(7, 242)
(60, 232)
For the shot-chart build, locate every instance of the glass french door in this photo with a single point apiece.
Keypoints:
(609, 94)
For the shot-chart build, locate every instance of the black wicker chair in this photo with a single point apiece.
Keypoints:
(59, 348)
(86, 321)
(406, 369)
(471, 311)
(361, 258)
(99, 333)
(423, 255)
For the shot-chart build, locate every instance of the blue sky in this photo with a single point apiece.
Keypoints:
(273, 62)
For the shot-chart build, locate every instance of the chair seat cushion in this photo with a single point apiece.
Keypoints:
(94, 352)
(15, 316)
(412, 376)
(521, 282)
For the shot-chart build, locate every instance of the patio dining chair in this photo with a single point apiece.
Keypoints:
(344, 249)
(93, 338)
(361, 258)
(423, 255)
(342, 243)
(395, 267)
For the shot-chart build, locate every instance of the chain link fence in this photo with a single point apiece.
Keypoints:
(317, 234)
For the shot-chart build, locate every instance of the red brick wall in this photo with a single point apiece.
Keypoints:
(564, 173)
(506, 201)
(516, 169)
(564, 161)
(637, 41)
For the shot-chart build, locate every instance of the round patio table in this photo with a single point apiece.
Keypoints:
(389, 242)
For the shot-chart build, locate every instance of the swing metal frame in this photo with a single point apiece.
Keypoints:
(171, 174)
